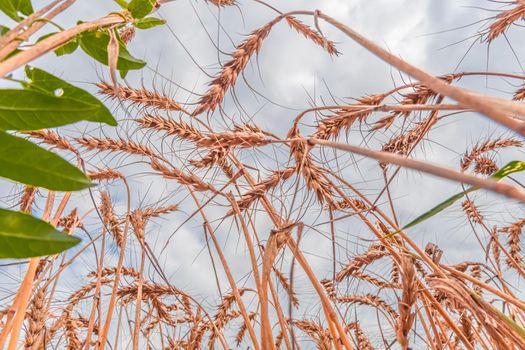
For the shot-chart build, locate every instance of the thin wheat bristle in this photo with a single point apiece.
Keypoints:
(312, 35)
(142, 97)
(421, 95)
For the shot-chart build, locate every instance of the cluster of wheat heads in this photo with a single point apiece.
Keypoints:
(251, 197)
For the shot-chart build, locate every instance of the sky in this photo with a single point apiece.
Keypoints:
(292, 74)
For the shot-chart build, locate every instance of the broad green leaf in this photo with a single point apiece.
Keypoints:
(140, 8)
(33, 110)
(13, 8)
(24, 236)
(512, 167)
(42, 81)
(149, 22)
(68, 48)
(48, 102)
(95, 44)
(25, 162)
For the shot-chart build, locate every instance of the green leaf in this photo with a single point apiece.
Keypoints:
(48, 102)
(149, 22)
(25, 162)
(438, 208)
(44, 82)
(68, 48)
(33, 110)
(95, 44)
(512, 167)
(24, 236)
(140, 8)
(13, 8)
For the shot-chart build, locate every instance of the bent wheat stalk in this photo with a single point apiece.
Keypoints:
(497, 109)
(386, 157)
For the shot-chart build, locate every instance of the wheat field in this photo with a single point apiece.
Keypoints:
(225, 218)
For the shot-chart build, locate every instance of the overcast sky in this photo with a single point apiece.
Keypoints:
(291, 74)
